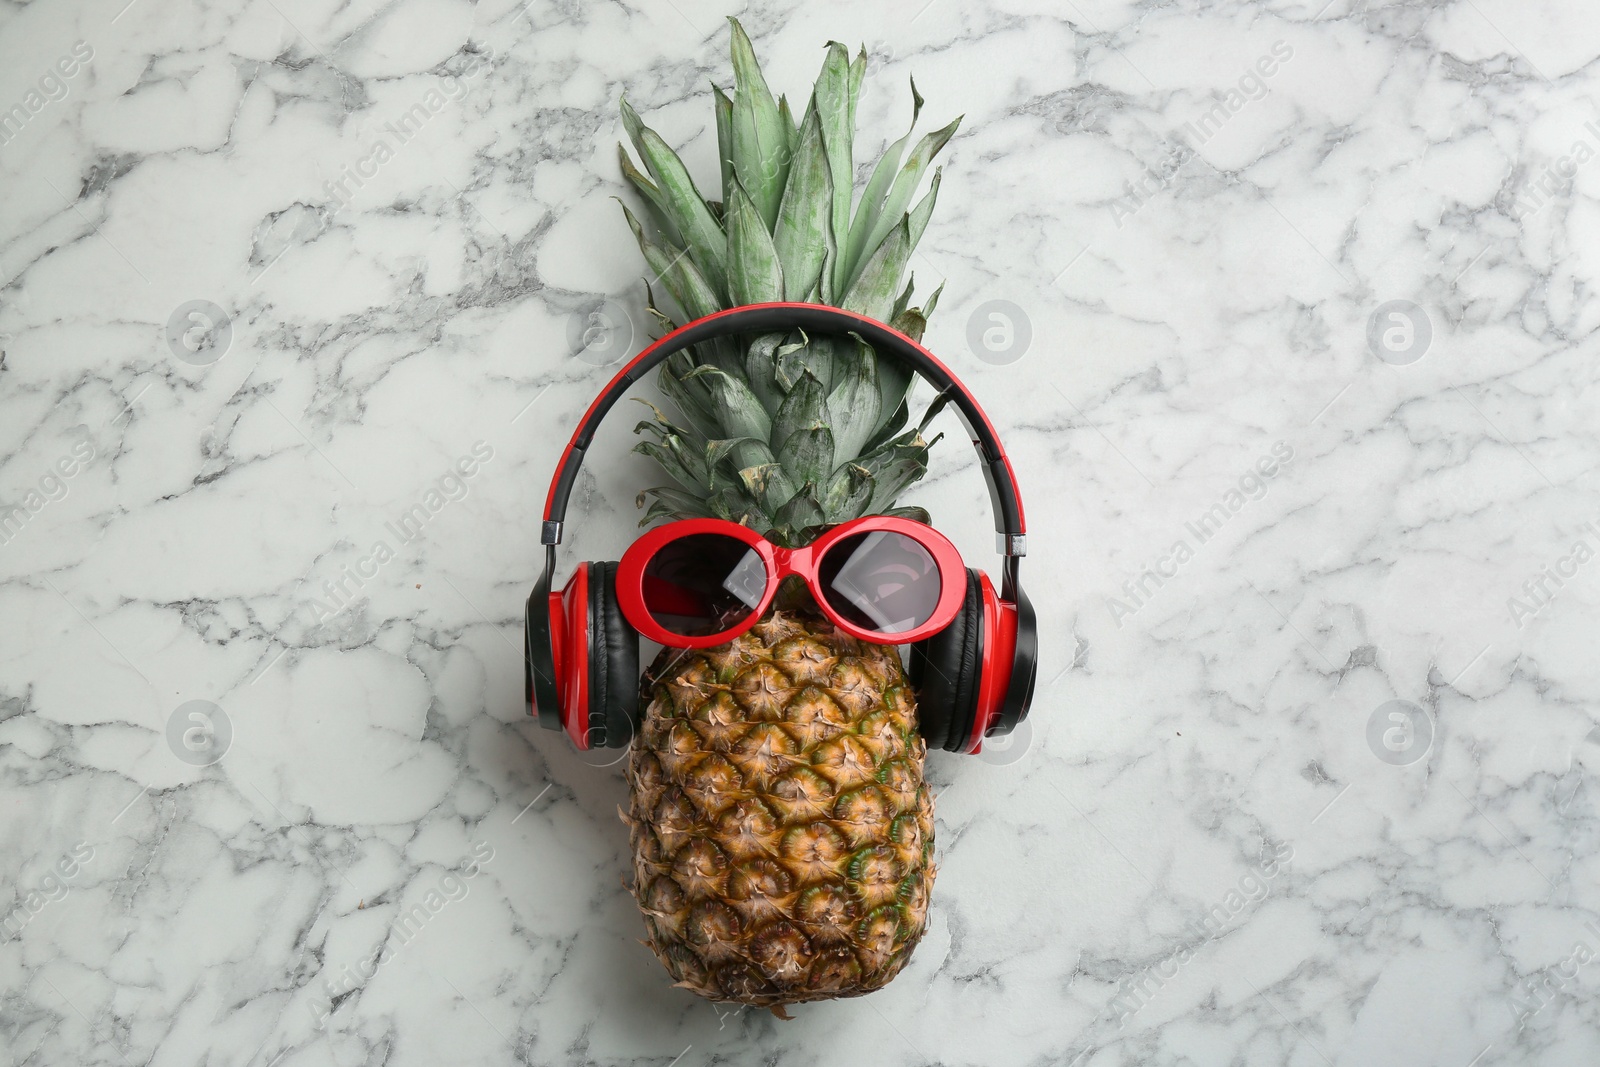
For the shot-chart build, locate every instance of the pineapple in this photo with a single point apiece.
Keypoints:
(781, 825)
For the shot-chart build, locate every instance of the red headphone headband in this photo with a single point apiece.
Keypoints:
(820, 318)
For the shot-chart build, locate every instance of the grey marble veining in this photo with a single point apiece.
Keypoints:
(1287, 314)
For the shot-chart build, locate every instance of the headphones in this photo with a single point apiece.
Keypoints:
(973, 679)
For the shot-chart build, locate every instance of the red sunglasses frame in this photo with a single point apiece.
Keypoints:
(781, 562)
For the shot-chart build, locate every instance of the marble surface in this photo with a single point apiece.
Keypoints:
(1295, 358)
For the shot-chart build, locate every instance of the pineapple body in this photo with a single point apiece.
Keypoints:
(782, 828)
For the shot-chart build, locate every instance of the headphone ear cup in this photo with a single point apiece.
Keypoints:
(613, 663)
(569, 626)
(945, 670)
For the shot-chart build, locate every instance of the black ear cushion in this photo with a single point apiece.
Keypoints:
(945, 670)
(613, 661)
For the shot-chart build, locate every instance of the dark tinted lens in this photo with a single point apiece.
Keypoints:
(703, 584)
(881, 581)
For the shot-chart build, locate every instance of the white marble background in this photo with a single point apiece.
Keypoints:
(1200, 751)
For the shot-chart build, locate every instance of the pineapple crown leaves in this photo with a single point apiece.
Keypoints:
(784, 432)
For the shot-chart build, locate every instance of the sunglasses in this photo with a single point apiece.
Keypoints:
(695, 583)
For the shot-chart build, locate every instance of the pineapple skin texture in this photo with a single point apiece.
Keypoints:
(781, 825)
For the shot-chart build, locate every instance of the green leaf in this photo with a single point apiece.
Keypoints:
(669, 462)
(686, 207)
(662, 426)
(904, 467)
(940, 401)
(825, 292)
(914, 321)
(760, 370)
(691, 398)
(903, 299)
(872, 198)
(632, 124)
(770, 484)
(790, 127)
(724, 109)
(849, 493)
(804, 214)
(754, 274)
(871, 205)
(894, 391)
(738, 411)
(805, 408)
(807, 454)
(786, 371)
(858, 70)
(663, 322)
(854, 402)
(724, 453)
(905, 183)
(908, 443)
(924, 208)
(693, 294)
(799, 513)
(659, 214)
(658, 510)
(760, 131)
(873, 292)
(811, 355)
(735, 504)
(914, 513)
(910, 322)
(679, 505)
(833, 99)
(890, 426)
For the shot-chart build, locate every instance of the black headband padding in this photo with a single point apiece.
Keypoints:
(819, 318)
(539, 659)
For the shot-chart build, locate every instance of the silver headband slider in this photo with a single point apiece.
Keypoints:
(1011, 544)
